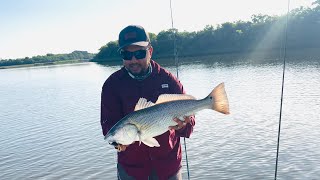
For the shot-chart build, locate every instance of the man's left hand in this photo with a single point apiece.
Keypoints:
(181, 123)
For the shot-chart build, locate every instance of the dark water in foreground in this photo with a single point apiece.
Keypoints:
(50, 127)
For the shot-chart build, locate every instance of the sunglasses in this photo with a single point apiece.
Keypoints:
(127, 55)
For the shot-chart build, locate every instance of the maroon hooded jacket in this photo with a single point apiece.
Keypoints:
(120, 93)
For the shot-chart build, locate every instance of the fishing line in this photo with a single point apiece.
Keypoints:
(175, 54)
(282, 88)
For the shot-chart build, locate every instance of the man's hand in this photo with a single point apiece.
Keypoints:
(121, 147)
(180, 124)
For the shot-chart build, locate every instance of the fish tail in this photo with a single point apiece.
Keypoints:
(219, 98)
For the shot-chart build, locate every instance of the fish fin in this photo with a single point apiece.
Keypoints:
(219, 98)
(173, 97)
(151, 142)
(143, 103)
(139, 135)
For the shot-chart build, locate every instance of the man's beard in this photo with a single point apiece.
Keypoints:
(143, 71)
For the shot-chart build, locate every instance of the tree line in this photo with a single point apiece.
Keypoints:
(48, 58)
(262, 32)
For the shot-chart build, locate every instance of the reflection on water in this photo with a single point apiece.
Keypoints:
(50, 125)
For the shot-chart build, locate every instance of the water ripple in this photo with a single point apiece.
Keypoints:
(51, 129)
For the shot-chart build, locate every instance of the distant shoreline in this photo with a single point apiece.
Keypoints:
(294, 54)
(46, 64)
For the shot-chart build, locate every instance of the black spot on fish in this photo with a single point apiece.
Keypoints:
(114, 143)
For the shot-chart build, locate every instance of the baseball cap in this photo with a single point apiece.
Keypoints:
(133, 35)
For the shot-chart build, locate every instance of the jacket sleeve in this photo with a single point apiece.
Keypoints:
(110, 107)
(177, 88)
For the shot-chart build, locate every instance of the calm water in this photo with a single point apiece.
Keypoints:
(50, 129)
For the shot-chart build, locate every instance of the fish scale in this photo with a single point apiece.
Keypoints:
(150, 120)
(158, 122)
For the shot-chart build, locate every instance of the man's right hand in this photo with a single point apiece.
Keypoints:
(121, 147)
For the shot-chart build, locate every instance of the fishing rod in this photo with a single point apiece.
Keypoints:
(282, 88)
(175, 54)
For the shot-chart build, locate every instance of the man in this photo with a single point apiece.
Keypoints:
(142, 77)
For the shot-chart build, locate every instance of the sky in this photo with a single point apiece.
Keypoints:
(37, 27)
